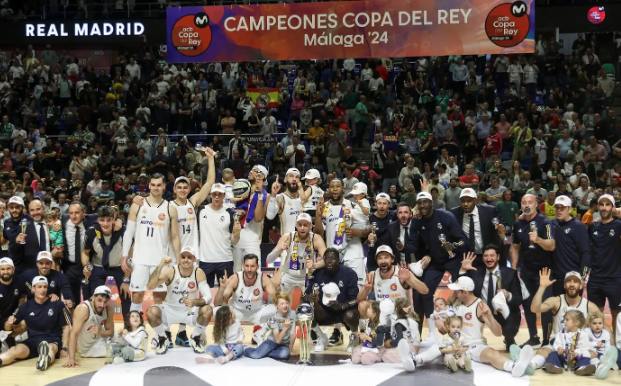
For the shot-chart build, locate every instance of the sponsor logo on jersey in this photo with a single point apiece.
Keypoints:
(52, 284)
(256, 292)
(190, 211)
(468, 316)
(191, 285)
(393, 287)
(612, 233)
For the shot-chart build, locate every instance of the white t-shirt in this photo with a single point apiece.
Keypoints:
(215, 235)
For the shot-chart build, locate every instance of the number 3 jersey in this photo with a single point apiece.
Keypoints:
(152, 237)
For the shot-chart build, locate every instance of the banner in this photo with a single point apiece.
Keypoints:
(349, 29)
(269, 96)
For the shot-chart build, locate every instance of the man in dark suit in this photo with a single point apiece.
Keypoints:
(480, 224)
(23, 246)
(396, 234)
(381, 218)
(503, 294)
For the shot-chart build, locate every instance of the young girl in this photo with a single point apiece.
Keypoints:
(571, 347)
(361, 198)
(55, 229)
(228, 337)
(441, 311)
(368, 352)
(131, 345)
(453, 346)
(599, 338)
(280, 332)
(405, 326)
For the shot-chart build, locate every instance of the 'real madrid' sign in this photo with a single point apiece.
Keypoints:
(83, 29)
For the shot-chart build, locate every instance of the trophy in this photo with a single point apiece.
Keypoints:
(89, 268)
(373, 232)
(495, 221)
(456, 345)
(305, 320)
(22, 228)
(533, 228)
(446, 245)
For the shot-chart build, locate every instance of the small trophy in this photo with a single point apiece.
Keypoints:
(446, 245)
(88, 268)
(373, 232)
(22, 228)
(533, 228)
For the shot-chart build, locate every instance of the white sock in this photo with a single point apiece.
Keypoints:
(160, 330)
(508, 366)
(198, 330)
(135, 307)
(428, 355)
(537, 361)
(181, 328)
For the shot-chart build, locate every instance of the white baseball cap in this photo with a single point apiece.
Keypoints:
(39, 280)
(44, 255)
(330, 292)
(563, 201)
(7, 261)
(384, 248)
(573, 274)
(606, 196)
(464, 283)
(382, 196)
(181, 179)
(424, 196)
(304, 217)
(16, 200)
(217, 188)
(261, 169)
(189, 250)
(468, 192)
(294, 171)
(102, 290)
(311, 174)
(359, 188)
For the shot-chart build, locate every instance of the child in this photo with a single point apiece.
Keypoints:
(453, 346)
(228, 337)
(571, 347)
(131, 346)
(405, 326)
(370, 342)
(359, 196)
(55, 229)
(441, 311)
(280, 332)
(599, 338)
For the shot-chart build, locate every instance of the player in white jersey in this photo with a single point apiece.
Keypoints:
(312, 193)
(187, 300)
(151, 228)
(287, 204)
(248, 292)
(571, 300)
(475, 315)
(344, 227)
(253, 216)
(91, 325)
(304, 254)
(388, 281)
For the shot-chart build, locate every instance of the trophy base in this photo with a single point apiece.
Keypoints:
(306, 362)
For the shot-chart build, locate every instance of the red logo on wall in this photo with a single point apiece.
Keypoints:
(507, 24)
(191, 34)
(596, 15)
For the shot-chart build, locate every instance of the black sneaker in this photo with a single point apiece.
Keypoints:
(169, 337)
(43, 361)
(182, 340)
(313, 335)
(162, 345)
(533, 342)
(336, 339)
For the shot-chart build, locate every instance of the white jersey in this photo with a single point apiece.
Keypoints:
(252, 232)
(86, 339)
(188, 226)
(296, 267)
(248, 299)
(335, 221)
(181, 288)
(215, 235)
(472, 328)
(315, 196)
(558, 323)
(598, 342)
(390, 288)
(290, 211)
(152, 237)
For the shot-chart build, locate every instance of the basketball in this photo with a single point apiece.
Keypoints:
(241, 188)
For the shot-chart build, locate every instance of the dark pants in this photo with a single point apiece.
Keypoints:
(560, 360)
(99, 276)
(214, 271)
(423, 304)
(74, 276)
(325, 316)
(531, 281)
(510, 326)
(599, 290)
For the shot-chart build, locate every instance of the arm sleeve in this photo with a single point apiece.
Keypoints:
(128, 237)
(205, 291)
(272, 208)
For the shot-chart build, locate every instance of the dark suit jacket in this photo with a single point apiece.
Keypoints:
(89, 221)
(24, 255)
(488, 232)
(390, 236)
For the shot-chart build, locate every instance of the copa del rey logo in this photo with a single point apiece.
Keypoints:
(84, 29)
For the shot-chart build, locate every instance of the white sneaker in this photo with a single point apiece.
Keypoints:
(417, 268)
(499, 303)
(21, 337)
(322, 342)
(351, 344)
(118, 360)
(406, 356)
(607, 362)
(526, 355)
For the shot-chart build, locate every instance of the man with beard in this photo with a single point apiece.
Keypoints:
(344, 227)
(533, 243)
(23, 246)
(10, 293)
(558, 305)
(245, 290)
(92, 325)
(397, 234)
(572, 251)
(57, 282)
(304, 253)
(379, 220)
(605, 279)
(253, 215)
(333, 292)
(438, 238)
(287, 204)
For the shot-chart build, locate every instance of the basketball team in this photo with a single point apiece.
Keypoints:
(370, 270)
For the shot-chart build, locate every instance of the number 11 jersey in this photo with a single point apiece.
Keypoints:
(152, 237)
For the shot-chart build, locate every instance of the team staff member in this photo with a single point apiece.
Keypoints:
(572, 251)
(57, 283)
(438, 237)
(10, 293)
(45, 322)
(605, 278)
(533, 243)
(23, 247)
(380, 218)
(396, 235)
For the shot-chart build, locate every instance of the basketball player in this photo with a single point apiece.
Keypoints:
(151, 228)
(254, 215)
(287, 204)
(246, 292)
(304, 254)
(475, 315)
(92, 324)
(344, 227)
(187, 300)
(312, 193)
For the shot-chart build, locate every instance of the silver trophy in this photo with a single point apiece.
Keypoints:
(446, 245)
(305, 321)
(22, 228)
(533, 228)
(373, 232)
